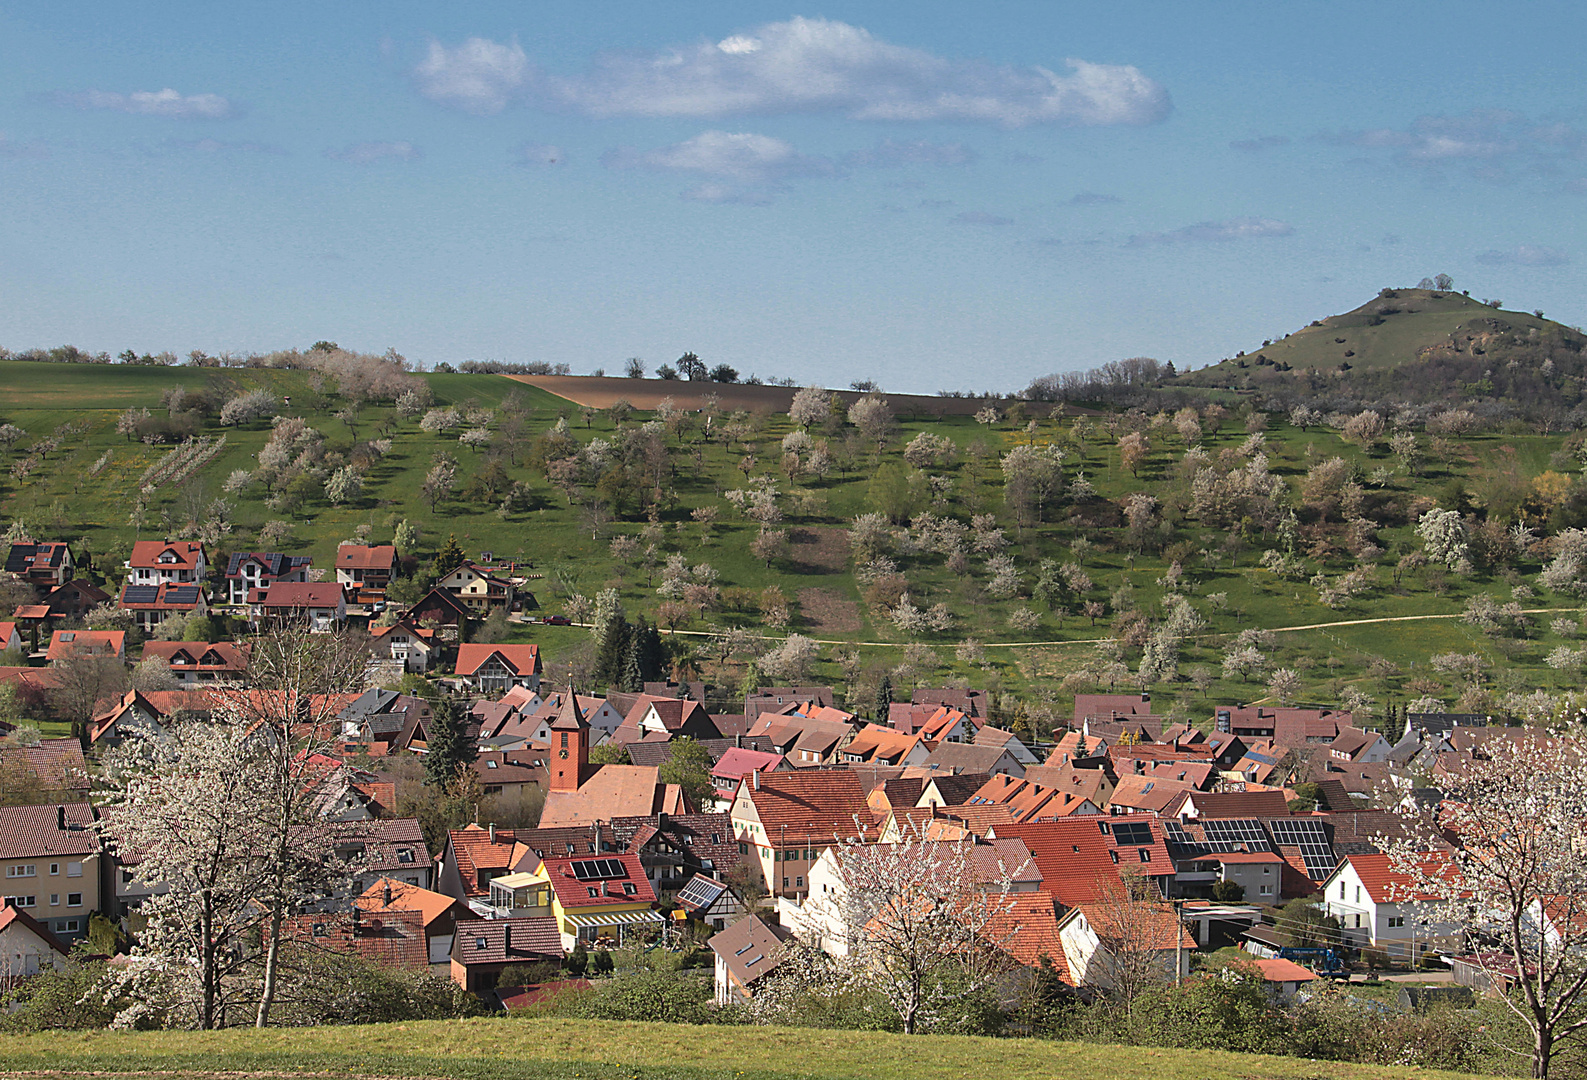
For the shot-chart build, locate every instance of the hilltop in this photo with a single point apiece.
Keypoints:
(1448, 338)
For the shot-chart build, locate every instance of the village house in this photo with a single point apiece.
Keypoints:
(250, 570)
(385, 719)
(736, 763)
(482, 948)
(495, 669)
(674, 848)
(195, 662)
(27, 947)
(366, 570)
(161, 562)
(593, 899)
(746, 952)
(405, 643)
(527, 719)
(11, 639)
(322, 604)
(973, 758)
(50, 859)
(874, 744)
(55, 764)
(1095, 934)
(819, 916)
(69, 643)
(665, 717)
(389, 939)
(151, 605)
(1378, 906)
(440, 610)
(777, 698)
(579, 793)
(783, 821)
(510, 773)
(480, 591)
(806, 741)
(438, 914)
(48, 564)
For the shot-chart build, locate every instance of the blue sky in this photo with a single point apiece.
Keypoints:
(933, 196)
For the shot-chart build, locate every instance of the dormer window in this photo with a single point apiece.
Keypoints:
(405, 855)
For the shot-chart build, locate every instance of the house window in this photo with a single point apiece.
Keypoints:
(319, 929)
(1396, 920)
(74, 899)
(405, 854)
(480, 943)
(412, 879)
(1145, 854)
(716, 838)
(1341, 890)
(1267, 869)
(1358, 894)
(66, 926)
(785, 883)
(593, 892)
(55, 899)
(23, 901)
(27, 870)
(799, 882)
(55, 868)
(630, 888)
(1115, 856)
(1267, 890)
(1358, 921)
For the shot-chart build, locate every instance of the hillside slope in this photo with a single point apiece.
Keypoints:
(510, 1049)
(1400, 328)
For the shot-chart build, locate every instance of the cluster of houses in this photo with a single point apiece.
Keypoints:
(1209, 819)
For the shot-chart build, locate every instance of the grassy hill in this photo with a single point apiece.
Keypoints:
(1348, 646)
(1397, 328)
(514, 1049)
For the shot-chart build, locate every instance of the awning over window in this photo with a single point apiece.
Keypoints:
(616, 918)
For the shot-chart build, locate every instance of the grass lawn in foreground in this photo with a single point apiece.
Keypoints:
(509, 1049)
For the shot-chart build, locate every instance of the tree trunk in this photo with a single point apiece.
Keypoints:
(206, 1019)
(267, 993)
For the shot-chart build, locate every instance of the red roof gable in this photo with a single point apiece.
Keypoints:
(362, 557)
(610, 888)
(520, 659)
(298, 594)
(65, 642)
(816, 804)
(166, 555)
(1075, 856)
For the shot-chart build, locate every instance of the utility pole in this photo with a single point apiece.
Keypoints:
(1179, 941)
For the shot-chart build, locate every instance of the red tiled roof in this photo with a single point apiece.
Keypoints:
(10, 915)
(813, 804)
(64, 642)
(473, 851)
(573, 893)
(1081, 876)
(1386, 885)
(146, 554)
(195, 655)
(362, 557)
(429, 906)
(501, 941)
(737, 762)
(520, 659)
(393, 938)
(298, 594)
(30, 831)
(1280, 970)
(1028, 930)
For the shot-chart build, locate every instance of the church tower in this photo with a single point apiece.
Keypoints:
(570, 745)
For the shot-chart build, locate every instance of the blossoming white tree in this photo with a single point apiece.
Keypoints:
(1517, 881)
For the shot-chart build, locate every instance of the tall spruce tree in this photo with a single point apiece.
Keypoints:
(611, 651)
(884, 698)
(652, 654)
(449, 747)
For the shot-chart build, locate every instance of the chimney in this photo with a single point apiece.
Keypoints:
(385, 894)
(493, 832)
(755, 776)
(506, 939)
(1146, 698)
(60, 818)
(738, 740)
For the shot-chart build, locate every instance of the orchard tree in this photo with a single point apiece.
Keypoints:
(1133, 451)
(1516, 879)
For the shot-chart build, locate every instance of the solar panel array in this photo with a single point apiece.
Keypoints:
(1312, 839)
(141, 594)
(1226, 835)
(700, 892)
(1131, 833)
(181, 594)
(599, 869)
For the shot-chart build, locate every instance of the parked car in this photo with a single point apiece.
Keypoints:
(558, 620)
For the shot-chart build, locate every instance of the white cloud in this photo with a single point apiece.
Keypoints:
(743, 157)
(1215, 232)
(165, 103)
(1525, 255)
(1483, 141)
(802, 65)
(889, 154)
(478, 76)
(368, 153)
(539, 155)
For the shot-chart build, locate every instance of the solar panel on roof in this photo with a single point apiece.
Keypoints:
(1312, 839)
(182, 594)
(700, 892)
(599, 869)
(141, 594)
(1130, 833)
(1226, 835)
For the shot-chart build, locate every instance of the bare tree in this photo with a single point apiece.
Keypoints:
(1516, 883)
(1138, 935)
